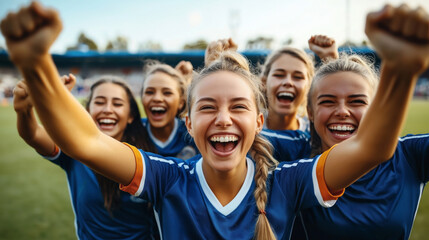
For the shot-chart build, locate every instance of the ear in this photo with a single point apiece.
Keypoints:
(259, 123)
(181, 103)
(189, 125)
(130, 119)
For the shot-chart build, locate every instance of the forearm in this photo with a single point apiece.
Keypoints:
(56, 107)
(33, 133)
(71, 127)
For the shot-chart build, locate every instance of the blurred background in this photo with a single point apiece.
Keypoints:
(115, 37)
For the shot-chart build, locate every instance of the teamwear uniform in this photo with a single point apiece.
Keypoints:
(380, 205)
(180, 144)
(304, 123)
(133, 219)
(288, 145)
(186, 208)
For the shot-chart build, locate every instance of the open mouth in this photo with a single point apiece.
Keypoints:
(106, 123)
(158, 111)
(285, 97)
(224, 143)
(342, 130)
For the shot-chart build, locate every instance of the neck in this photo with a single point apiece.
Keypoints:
(225, 184)
(279, 122)
(163, 133)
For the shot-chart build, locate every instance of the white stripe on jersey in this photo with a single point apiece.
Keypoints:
(295, 164)
(323, 203)
(142, 181)
(413, 137)
(276, 135)
(235, 203)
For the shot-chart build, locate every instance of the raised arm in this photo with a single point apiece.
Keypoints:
(323, 46)
(28, 128)
(401, 38)
(29, 35)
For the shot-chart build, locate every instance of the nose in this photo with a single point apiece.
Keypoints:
(223, 118)
(157, 96)
(287, 81)
(108, 108)
(342, 111)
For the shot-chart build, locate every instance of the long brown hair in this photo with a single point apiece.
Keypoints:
(135, 134)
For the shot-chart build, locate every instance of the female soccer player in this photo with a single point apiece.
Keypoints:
(101, 210)
(212, 197)
(163, 99)
(383, 203)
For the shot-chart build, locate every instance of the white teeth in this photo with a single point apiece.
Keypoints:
(107, 121)
(229, 138)
(285, 94)
(157, 109)
(342, 128)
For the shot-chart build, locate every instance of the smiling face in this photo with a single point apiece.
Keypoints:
(109, 107)
(287, 85)
(338, 102)
(223, 120)
(161, 99)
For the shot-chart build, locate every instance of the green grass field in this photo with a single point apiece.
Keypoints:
(34, 202)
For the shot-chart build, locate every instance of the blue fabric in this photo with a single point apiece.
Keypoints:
(180, 144)
(133, 219)
(288, 145)
(187, 209)
(380, 205)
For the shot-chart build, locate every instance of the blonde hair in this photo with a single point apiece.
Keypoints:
(261, 150)
(345, 63)
(296, 53)
(153, 66)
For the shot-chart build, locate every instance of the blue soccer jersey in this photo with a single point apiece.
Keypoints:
(380, 205)
(186, 208)
(132, 219)
(304, 123)
(180, 144)
(288, 145)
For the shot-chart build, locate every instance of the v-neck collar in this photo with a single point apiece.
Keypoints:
(231, 206)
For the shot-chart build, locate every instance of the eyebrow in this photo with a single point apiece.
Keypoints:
(103, 97)
(209, 99)
(351, 96)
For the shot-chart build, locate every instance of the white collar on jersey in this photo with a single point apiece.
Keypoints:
(170, 138)
(231, 206)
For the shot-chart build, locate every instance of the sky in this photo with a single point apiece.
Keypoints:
(173, 23)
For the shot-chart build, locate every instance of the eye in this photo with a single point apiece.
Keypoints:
(299, 77)
(168, 93)
(148, 92)
(118, 104)
(278, 75)
(359, 102)
(98, 102)
(240, 106)
(206, 107)
(325, 102)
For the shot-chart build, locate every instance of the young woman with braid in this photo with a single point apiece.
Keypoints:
(101, 210)
(225, 194)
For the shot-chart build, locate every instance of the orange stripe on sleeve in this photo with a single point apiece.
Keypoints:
(136, 181)
(320, 173)
(55, 152)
